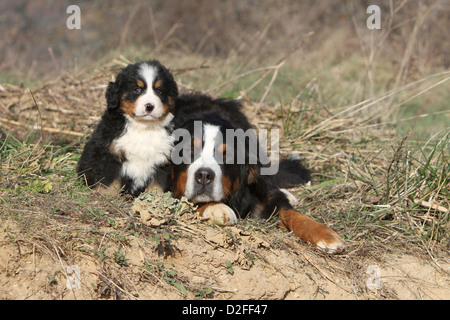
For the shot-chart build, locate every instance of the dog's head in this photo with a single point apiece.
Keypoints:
(212, 162)
(144, 91)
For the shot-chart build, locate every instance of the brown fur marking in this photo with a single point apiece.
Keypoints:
(222, 148)
(127, 107)
(158, 84)
(180, 184)
(306, 228)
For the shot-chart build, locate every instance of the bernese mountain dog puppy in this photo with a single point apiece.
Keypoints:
(208, 171)
(133, 140)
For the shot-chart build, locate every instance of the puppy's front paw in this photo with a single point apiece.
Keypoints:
(220, 214)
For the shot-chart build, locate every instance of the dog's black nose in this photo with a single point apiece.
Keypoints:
(204, 176)
(149, 107)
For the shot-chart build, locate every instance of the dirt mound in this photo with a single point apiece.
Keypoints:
(61, 256)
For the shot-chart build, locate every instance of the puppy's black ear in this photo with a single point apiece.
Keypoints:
(172, 88)
(113, 95)
(172, 85)
(173, 91)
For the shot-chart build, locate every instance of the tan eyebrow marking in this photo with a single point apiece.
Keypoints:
(158, 84)
(197, 143)
(140, 83)
(222, 148)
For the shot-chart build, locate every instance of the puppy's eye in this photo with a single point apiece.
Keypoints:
(137, 90)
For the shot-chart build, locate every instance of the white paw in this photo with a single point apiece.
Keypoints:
(333, 244)
(292, 199)
(220, 214)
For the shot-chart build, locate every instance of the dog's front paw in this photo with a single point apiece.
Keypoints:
(330, 242)
(309, 230)
(220, 214)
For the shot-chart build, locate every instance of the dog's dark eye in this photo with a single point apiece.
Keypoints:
(137, 90)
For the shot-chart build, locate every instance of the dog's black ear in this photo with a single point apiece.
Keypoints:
(113, 95)
(252, 174)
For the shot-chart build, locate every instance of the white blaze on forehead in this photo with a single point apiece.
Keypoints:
(148, 73)
(206, 160)
(210, 134)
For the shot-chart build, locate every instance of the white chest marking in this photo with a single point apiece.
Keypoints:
(145, 146)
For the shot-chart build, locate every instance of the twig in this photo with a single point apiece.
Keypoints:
(239, 76)
(183, 70)
(152, 25)
(115, 285)
(52, 130)
(243, 93)
(115, 207)
(167, 36)
(38, 109)
(274, 76)
(64, 271)
(405, 196)
(127, 25)
(431, 205)
(317, 268)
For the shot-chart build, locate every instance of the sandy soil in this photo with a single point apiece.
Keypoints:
(234, 262)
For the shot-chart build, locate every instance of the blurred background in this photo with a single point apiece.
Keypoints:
(342, 60)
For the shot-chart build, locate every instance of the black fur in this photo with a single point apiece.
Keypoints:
(196, 106)
(291, 173)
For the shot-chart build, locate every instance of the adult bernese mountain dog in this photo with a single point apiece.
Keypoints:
(206, 169)
(133, 140)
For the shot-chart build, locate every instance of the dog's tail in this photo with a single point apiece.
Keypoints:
(291, 173)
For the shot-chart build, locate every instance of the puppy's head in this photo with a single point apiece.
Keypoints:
(144, 91)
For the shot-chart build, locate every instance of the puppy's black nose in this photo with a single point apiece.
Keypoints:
(149, 107)
(204, 176)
